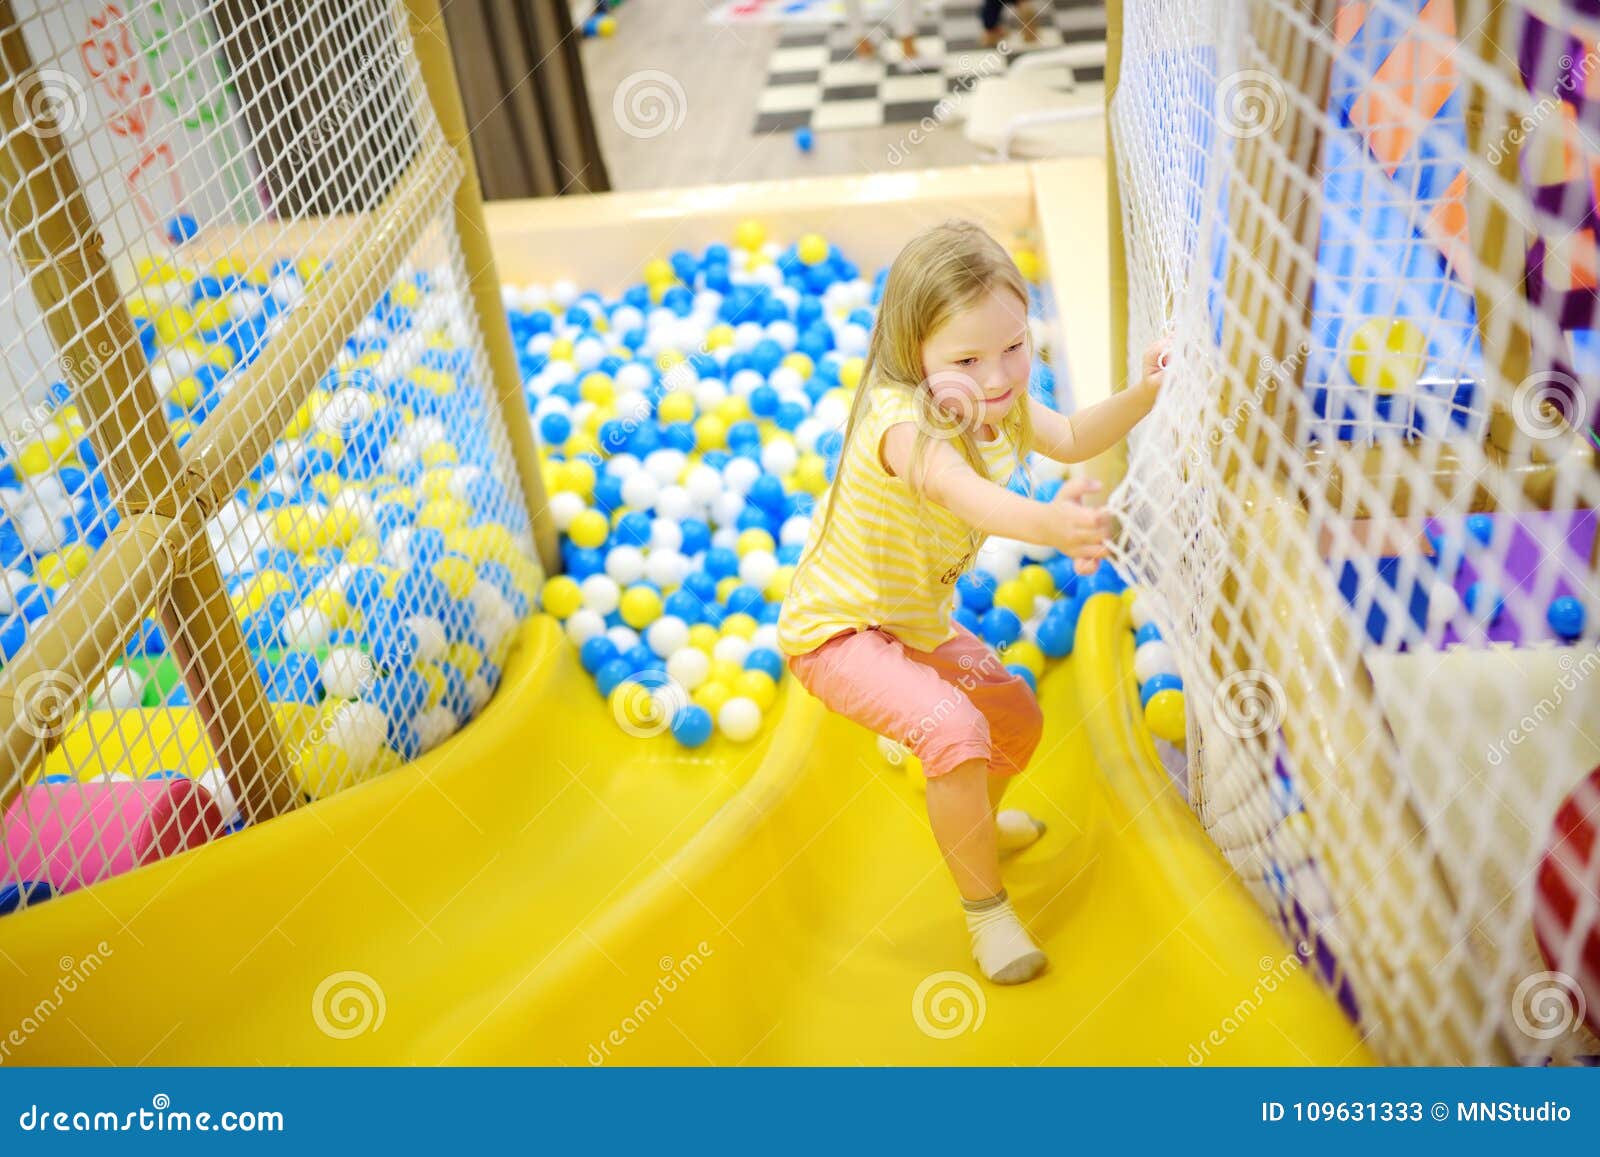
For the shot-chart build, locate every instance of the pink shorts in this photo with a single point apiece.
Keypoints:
(949, 705)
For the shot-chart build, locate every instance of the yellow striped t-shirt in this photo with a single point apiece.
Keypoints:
(890, 559)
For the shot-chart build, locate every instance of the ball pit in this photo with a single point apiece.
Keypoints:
(690, 424)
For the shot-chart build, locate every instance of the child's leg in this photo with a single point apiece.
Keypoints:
(963, 827)
(857, 27)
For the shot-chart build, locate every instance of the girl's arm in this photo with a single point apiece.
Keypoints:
(946, 478)
(1091, 432)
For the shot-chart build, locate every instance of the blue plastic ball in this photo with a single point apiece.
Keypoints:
(764, 659)
(1058, 629)
(721, 562)
(802, 138)
(1106, 580)
(1481, 528)
(611, 676)
(1566, 617)
(968, 619)
(691, 725)
(976, 589)
(1165, 682)
(1149, 633)
(1001, 627)
(1025, 675)
(596, 653)
(1485, 603)
(696, 536)
(555, 428)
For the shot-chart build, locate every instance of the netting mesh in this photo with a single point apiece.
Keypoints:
(261, 534)
(1364, 507)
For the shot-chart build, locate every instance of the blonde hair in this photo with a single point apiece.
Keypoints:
(941, 271)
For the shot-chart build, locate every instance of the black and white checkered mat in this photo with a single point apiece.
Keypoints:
(815, 80)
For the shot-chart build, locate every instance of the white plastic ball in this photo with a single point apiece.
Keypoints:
(741, 474)
(623, 638)
(348, 672)
(745, 336)
(807, 433)
(757, 568)
(584, 624)
(564, 507)
(703, 483)
(794, 530)
(667, 635)
(633, 409)
(726, 508)
(633, 377)
(666, 568)
(725, 537)
(1152, 659)
(478, 692)
(1139, 611)
(744, 383)
(121, 689)
(739, 719)
(665, 465)
(623, 466)
(601, 594)
(689, 667)
(431, 641)
(359, 730)
(625, 564)
(731, 648)
(434, 725)
(665, 533)
(779, 457)
(622, 320)
(564, 292)
(852, 340)
(216, 786)
(639, 490)
(766, 635)
(306, 628)
(786, 379)
(673, 505)
(708, 393)
(784, 333)
(1443, 604)
(832, 411)
(588, 353)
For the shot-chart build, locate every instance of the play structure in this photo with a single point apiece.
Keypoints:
(389, 583)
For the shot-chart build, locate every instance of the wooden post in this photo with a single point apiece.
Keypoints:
(439, 78)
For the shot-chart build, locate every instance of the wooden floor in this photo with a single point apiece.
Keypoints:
(666, 48)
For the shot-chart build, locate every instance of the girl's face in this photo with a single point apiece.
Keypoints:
(977, 363)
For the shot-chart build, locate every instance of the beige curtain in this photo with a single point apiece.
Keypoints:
(522, 82)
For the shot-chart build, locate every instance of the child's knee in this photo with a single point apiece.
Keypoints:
(948, 736)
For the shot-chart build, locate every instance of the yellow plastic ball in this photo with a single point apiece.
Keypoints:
(34, 459)
(710, 432)
(1016, 597)
(640, 606)
(443, 514)
(466, 658)
(719, 336)
(1025, 654)
(733, 409)
(440, 454)
(777, 588)
(1387, 353)
(588, 528)
(1165, 716)
(457, 576)
(800, 363)
(703, 637)
(712, 695)
(1038, 580)
(362, 551)
(580, 477)
(338, 528)
(811, 473)
(659, 270)
(754, 539)
(598, 388)
(812, 249)
(186, 392)
(740, 626)
(1028, 264)
(561, 350)
(677, 406)
(850, 372)
(726, 672)
(757, 685)
(750, 235)
(726, 587)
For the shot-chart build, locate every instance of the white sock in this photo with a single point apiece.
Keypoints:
(1016, 830)
(1005, 953)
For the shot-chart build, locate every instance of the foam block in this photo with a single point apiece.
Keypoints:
(73, 834)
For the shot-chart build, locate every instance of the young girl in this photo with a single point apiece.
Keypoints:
(904, 17)
(941, 421)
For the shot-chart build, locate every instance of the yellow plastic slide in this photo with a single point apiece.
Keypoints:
(547, 889)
